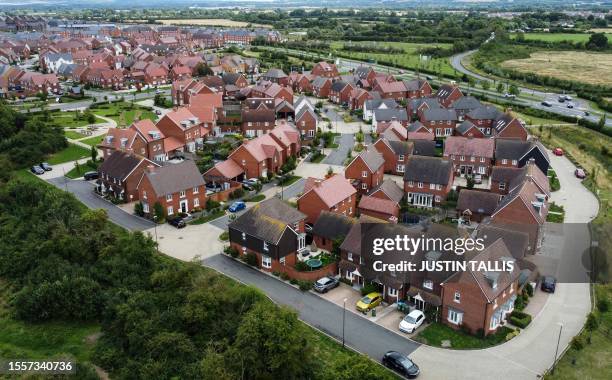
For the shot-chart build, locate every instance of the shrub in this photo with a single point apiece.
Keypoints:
(346, 281)
(577, 343)
(224, 236)
(293, 281)
(251, 259)
(239, 192)
(139, 209)
(284, 276)
(512, 334)
(231, 251)
(301, 266)
(211, 204)
(519, 303)
(529, 289)
(520, 319)
(276, 273)
(305, 285)
(603, 305)
(368, 288)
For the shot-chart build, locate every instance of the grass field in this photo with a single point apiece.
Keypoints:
(557, 37)
(68, 120)
(212, 22)
(123, 113)
(409, 59)
(93, 141)
(579, 66)
(73, 135)
(71, 153)
(78, 172)
(435, 333)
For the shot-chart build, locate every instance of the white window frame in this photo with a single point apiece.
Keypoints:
(420, 185)
(432, 186)
(364, 174)
(392, 292)
(265, 246)
(196, 202)
(266, 262)
(170, 210)
(168, 197)
(182, 194)
(457, 297)
(196, 190)
(428, 284)
(364, 186)
(349, 256)
(455, 317)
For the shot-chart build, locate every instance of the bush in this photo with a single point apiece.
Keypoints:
(577, 343)
(512, 334)
(276, 273)
(139, 209)
(284, 276)
(368, 288)
(231, 251)
(239, 192)
(520, 319)
(603, 305)
(224, 236)
(529, 289)
(251, 259)
(301, 266)
(305, 285)
(346, 281)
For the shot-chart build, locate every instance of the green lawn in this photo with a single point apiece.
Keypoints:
(77, 172)
(73, 135)
(557, 37)
(552, 216)
(435, 333)
(123, 113)
(256, 198)
(71, 153)
(208, 218)
(93, 141)
(69, 120)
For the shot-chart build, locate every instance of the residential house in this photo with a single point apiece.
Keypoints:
(379, 208)
(256, 122)
(509, 127)
(259, 157)
(389, 190)
(371, 105)
(475, 205)
(321, 87)
(516, 153)
(468, 129)
(417, 88)
(395, 90)
(416, 107)
(427, 180)
(178, 188)
(333, 194)
(470, 156)
(395, 154)
(366, 170)
(225, 177)
(325, 69)
(340, 92)
(382, 117)
(185, 127)
(330, 230)
(120, 173)
(306, 119)
(448, 93)
(440, 121)
(465, 105)
(483, 117)
(277, 76)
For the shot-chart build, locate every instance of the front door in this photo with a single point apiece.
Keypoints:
(184, 207)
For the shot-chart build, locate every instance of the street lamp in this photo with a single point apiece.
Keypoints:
(343, 319)
(155, 221)
(557, 349)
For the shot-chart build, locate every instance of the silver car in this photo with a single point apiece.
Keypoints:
(324, 284)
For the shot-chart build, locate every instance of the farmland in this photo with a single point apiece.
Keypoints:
(591, 68)
(558, 37)
(212, 22)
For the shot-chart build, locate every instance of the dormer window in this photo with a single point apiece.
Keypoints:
(428, 284)
(243, 236)
(265, 246)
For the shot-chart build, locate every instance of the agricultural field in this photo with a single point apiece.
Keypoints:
(578, 66)
(558, 37)
(212, 22)
(410, 59)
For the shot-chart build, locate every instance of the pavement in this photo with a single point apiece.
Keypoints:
(192, 242)
(337, 156)
(360, 333)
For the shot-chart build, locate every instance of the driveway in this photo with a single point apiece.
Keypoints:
(83, 191)
(190, 242)
(360, 334)
(338, 155)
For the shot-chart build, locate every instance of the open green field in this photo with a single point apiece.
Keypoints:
(69, 120)
(557, 37)
(71, 153)
(410, 59)
(93, 141)
(123, 113)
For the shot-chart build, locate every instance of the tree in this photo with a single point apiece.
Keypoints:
(602, 122)
(90, 117)
(500, 87)
(94, 154)
(158, 211)
(486, 85)
(470, 182)
(201, 69)
(514, 90)
(597, 41)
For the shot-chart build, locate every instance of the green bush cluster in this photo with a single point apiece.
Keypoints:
(520, 319)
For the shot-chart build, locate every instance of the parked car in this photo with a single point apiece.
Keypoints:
(369, 302)
(324, 284)
(251, 181)
(561, 99)
(570, 105)
(90, 176)
(547, 104)
(237, 206)
(412, 321)
(549, 284)
(558, 152)
(579, 173)
(587, 113)
(46, 167)
(37, 170)
(510, 96)
(400, 364)
(177, 222)
(568, 98)
(157, 112)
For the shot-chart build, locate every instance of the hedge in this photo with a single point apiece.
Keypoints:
(520, 319)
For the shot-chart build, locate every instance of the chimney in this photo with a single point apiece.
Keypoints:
(317, 182)
(150, 169)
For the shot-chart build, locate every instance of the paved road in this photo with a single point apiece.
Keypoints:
(580, 105)
(360, 334)
(83, 191)
(292, 190)
(337, 156)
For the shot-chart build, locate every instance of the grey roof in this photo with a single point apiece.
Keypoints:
(414, 85)
(390, 114)
(331, 225)
(505, 174)
(375, 103)
(66, 69)
(304, 110)
(372, 158)
(363, 71)
(319, 81)
(267, 220)
(484, 113)
(338, 85)
(431, 102)
(466, 103)
(512, 149)
(440, 114)
(482, 202)
(173, 178)
(275, 73)
(392, 189)
(424, 148)
(516, 241)
(445, 90)
(119, 164)
(465, 126)
(231, 78)
(428, 169)
(416, 126)
(400, 147)
(502, 121)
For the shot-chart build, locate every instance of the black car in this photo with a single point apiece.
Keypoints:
(546, 104)
(548, 284)
(90, 176)
(400, 364)
(177, 222)
(324, 284)
(37, 170)
(46, 167)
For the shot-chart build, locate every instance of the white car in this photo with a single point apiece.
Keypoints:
(412, 321)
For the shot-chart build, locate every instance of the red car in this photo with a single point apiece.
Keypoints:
(579, 173)
(558, 152)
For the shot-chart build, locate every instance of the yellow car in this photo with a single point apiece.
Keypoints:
(369, 302)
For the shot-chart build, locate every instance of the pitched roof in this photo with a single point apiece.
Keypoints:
(424, 147)
(120, 164)
(465, 126)
(372, 158)
(465, 146)
(466, 103)
(482, 202)
(147, 129)
(514, 149)
(275, 73)
(227, 169)
(392, 190)
(384, 206)
(173, 178)
(484, 113)
(390, 114)
(331, 190)
(505, 174)
(428, 169)
(268, 220)
(517, 242)
(414, 85)
(444, 114)
(332, 225)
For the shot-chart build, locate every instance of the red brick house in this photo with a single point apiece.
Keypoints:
(366, 170)
(120, 173)
(277, 76)
(178, 188)
(259, 156)
(417, 88)
(321, 87)
(155, 75)
(517, 153)
(440, 121)
(483, 117)
(324, 69)
(395, 90)
(300, 82)
(479, 300)
(395, 154)
(365, 73)
(427, 180)
(508, 127)
(306, 121)
(470, 156)
(334, 194)
(331, 227)
(179, 73)
(340, 92)
(256, 122)
(468, 129)
(273, 231)
(448, 93)
(358, 98)
(185, 127)
(475, 205)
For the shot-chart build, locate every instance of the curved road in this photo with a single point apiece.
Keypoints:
(580, 105)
